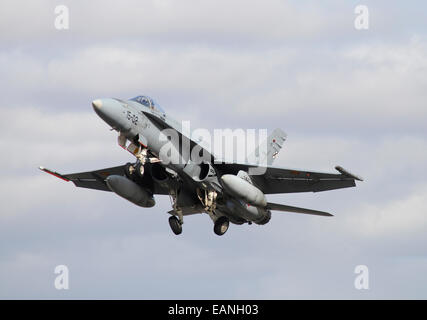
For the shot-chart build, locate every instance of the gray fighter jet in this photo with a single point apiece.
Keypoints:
(227, 191)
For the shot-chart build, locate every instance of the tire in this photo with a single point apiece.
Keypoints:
(175, 225)
(139, 170)
(129, 170)
(221, 225)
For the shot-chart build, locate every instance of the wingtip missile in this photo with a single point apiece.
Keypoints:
(347, 173)
(54, 173)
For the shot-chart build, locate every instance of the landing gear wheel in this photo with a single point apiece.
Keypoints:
(139, 170)
(221, 226)
(129, 170)
(175, 225)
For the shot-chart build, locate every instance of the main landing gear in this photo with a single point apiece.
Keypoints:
(221, 225)
(175, 225)
(208, 200)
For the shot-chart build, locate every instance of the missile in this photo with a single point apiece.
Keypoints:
(348, 174)
(129, 190)
(244, 190)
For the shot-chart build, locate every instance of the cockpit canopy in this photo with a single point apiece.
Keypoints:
(148, 102)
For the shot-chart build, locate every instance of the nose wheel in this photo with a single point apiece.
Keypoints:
(130, 170)
(134, 170)
(221, 225)
(139, 169)
(175, 225)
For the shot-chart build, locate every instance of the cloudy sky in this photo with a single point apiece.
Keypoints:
(355, 98)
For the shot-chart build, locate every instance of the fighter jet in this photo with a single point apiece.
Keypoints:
(229, 192)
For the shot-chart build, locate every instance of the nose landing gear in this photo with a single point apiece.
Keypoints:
(130, 170)
(134, 170)
(139, 169)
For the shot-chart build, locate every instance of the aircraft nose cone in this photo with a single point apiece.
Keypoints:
(111, 111)
(103, 109)
(97, 104)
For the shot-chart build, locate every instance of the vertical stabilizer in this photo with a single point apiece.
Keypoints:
(267, 151)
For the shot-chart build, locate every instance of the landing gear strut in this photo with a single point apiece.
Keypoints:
(141, 153)
(221, 225)
(175, 225)
(208, 199)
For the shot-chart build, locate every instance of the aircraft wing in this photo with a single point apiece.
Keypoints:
(282, 180)
(95, 179)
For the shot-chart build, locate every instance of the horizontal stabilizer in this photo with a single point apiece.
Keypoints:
(285, 208)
